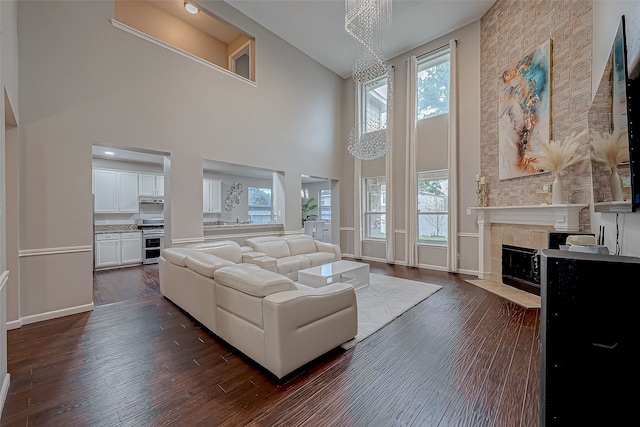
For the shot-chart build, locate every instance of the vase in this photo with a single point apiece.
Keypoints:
(556, 190)
(616, 185)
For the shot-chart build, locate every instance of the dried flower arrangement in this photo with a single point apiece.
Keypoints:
(610, 148)
(556, 156)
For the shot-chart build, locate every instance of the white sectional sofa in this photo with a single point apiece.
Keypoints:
(291, 253)
(278, 323)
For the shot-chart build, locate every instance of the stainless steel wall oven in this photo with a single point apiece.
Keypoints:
(152, 239)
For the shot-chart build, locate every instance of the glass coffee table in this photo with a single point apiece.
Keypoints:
(356, 273)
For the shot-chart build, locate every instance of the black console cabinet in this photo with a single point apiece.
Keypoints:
(588, 331)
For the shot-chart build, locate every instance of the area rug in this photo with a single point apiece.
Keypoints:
(383, 300)
(522, 298)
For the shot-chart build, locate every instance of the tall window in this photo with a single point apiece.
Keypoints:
(433, 86)
(259, 205)
(375, 219)
(325, 205)
(375, 105)
(433, 207)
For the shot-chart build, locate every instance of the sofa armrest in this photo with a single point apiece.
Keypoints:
(264, 261)
(296, 309)
(329, 247)
(252, 254)
(301, 325)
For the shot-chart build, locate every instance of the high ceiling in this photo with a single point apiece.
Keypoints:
(316, 27)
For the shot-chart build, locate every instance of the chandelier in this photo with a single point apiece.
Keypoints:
(368, 21)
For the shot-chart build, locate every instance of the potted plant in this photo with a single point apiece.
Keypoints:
(309, 206)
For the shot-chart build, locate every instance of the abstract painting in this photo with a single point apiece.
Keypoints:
(524, 112)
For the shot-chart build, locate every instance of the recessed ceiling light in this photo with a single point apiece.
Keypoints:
(191, 8)
(109, 153)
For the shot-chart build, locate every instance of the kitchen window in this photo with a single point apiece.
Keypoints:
(325, 205)
(259, 205)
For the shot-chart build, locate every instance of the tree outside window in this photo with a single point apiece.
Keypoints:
(433, 86)
(433, 207)
(259, 205)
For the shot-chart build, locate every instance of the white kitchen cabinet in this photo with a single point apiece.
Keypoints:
(104, 184)
(211, 195)
(107, 250)
(151, 185)
(131, 248)
(127, 192)
(116, 249)
(115, 191)
(160, 185)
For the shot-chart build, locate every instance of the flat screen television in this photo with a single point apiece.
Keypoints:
(631, 31)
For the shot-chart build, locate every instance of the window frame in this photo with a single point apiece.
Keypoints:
(368, 213)
(366, 89)
(323, 207)
(430, 61)
(249, 205)
(434, 175)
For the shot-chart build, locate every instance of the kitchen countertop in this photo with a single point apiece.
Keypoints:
(230, 227)
(220, 224)
(119, 228)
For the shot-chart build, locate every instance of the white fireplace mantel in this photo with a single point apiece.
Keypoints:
(560, 217)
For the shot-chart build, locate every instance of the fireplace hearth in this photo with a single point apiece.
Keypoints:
(521, 268)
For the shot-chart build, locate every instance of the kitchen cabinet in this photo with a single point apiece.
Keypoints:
(211, 195)
(107, 250)
(116, 249)
(151, 185)
(131, 248)
(104, 190)
(115, 191)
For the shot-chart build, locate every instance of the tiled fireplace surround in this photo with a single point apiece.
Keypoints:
(524, 226)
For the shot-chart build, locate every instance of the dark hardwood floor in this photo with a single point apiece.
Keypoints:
(462, 357)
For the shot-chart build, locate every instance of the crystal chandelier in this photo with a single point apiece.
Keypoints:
(368, 21)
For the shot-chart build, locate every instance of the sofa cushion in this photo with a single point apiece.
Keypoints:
(273, 248)
(231, 253)
(319, 258)
(252, 280)
(206, 245)
(204, 263)
(290, 266)
(301, 245)
(176, 255)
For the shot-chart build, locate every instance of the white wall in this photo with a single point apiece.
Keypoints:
(8, 108)
(83, 81)
(606, 18)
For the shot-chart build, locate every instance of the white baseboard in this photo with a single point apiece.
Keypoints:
(56, 313)
(4, 391)
(471, 272)
(14, 324)
(433, 267)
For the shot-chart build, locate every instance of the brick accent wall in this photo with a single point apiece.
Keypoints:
(510, 30)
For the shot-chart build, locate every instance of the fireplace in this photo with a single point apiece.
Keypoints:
(521, 268)
(524, 226)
